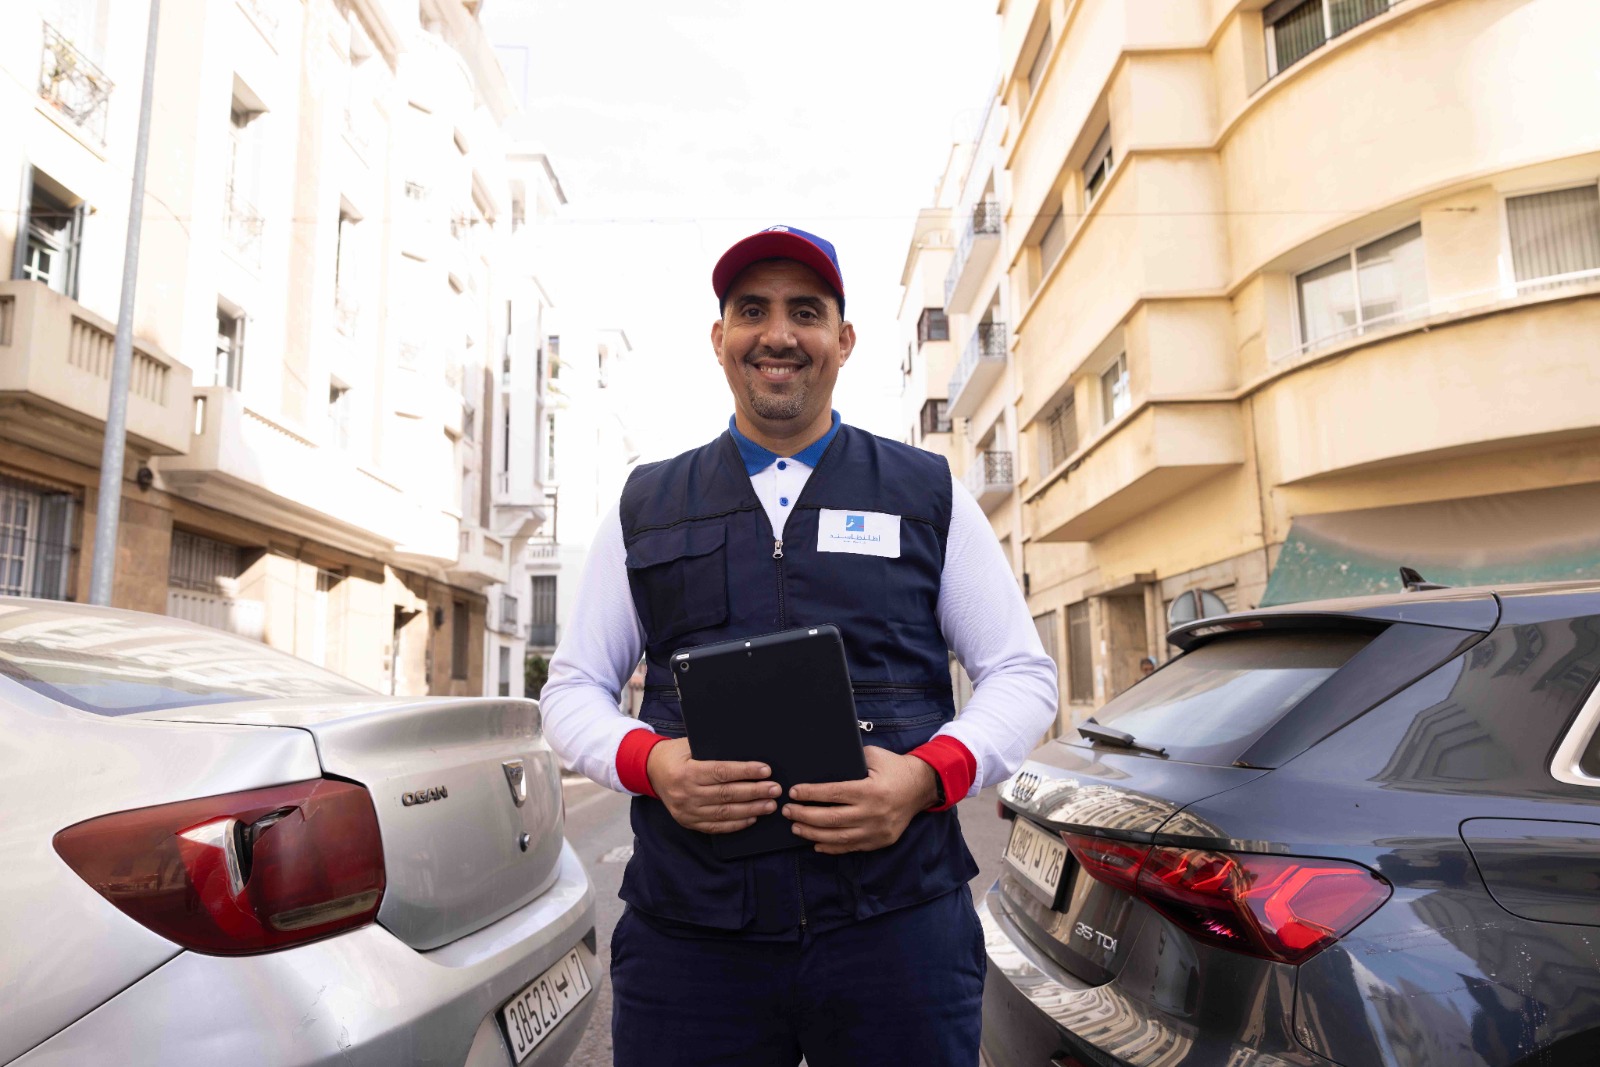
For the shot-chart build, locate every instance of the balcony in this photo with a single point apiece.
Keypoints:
(72, 85)
(989, 479)
(249, 464)
(542, 635)
(481, 562)
(975, 251)
(55, 379)
(1151, 457)
(982, 363)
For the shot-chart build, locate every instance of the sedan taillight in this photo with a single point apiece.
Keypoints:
(1283, 908)
(241, 873)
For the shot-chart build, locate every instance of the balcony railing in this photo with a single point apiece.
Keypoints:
(983, 222)
(990, 478)
(243, 226)
(543, 550)
(73, 85)
(980, 364)
(542, 634)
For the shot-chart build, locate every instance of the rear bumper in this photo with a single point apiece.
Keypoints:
(360, 998)
(1035, 1014)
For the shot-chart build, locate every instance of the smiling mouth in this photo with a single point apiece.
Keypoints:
(776, 372)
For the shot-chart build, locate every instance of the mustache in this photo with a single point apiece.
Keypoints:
(786, 355)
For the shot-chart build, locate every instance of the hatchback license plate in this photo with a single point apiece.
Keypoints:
(543, 1003)
(1038, 856)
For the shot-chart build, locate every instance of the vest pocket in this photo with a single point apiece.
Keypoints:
(679, 579)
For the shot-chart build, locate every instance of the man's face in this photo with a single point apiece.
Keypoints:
(781, 343)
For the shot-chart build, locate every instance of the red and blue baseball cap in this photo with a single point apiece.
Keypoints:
(779, 242)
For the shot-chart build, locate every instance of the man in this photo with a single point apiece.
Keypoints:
(862, 945)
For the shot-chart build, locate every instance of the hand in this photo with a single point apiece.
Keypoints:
(711, 796)
(873, 811)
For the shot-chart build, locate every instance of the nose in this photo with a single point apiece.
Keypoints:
(777, 333)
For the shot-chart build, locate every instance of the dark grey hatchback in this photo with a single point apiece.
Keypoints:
(1361, 832)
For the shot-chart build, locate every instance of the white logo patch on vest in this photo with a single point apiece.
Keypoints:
(863, 533)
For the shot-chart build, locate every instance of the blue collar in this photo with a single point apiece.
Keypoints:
(757, 459)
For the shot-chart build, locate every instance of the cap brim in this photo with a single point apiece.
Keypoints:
(773, 244)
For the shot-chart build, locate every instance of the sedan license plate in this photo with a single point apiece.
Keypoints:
(1039, 857)
(543, 1003)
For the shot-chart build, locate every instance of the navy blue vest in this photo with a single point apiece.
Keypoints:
(702, 567)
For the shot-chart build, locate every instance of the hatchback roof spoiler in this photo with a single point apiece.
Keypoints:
(1477, 610)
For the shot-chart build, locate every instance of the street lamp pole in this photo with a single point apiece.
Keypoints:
(109, 507)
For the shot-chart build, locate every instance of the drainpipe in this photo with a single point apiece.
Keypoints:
(109, 509)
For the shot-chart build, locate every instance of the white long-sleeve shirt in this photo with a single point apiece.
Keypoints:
(981, 612)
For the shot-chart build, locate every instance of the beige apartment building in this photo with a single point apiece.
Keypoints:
(1296, 293)
(338, 336)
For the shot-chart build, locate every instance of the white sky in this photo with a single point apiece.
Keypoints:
(677, 128)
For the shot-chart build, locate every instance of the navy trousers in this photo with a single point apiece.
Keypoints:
(904, 987)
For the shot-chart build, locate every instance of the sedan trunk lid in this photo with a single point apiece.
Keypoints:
(467, 793)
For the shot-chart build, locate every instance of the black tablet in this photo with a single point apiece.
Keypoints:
(783, 699)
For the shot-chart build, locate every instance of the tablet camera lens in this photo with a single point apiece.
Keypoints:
(683, 665)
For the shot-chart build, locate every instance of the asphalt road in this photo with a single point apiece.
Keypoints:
(597, 826)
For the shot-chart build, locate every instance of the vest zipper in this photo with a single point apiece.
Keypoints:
(777, 548)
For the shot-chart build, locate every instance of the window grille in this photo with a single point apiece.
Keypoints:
(1060, 433)
(35, 541)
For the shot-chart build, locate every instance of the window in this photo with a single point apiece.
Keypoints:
(459, 643)
(1041, 58)
(1080, 655)
(1375, 285)
(1114, 393)
(126, 664)
(228, 368)
(933, 325)
(1210, 705)
(935, 417)
(542, 611)
(339, 415)
(55, 234)
(505, 671)
(552, 345)
(1296, 28)
(346, 267)
(1195, 604)
(242, 223)
(1555, 234)
(550, 448)
(1052, 241)
(905, 364)
(35, 546)
(1097, 169)
(203, 564)
(1059, 437)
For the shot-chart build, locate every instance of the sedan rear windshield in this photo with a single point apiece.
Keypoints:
(1210, 705)
(112, 663)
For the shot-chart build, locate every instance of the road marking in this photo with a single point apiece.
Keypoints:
(620, 854)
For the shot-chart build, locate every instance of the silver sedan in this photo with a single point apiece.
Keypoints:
(211, 852)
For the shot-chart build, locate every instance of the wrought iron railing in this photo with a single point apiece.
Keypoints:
(73, 85)
(986, 345)
(989, 470)
(984, 221)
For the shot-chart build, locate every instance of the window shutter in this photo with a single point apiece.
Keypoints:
(1554, 233)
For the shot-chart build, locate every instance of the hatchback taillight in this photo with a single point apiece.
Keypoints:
(1283, 908)
(240, 873)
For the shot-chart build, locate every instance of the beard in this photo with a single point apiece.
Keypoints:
(780, 406)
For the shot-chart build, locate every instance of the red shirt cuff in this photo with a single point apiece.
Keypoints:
(955, 765)
(633, 759)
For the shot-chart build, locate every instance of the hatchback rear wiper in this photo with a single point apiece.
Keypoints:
(1105, 735)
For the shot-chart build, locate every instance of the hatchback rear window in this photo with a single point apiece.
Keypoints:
(119, 664)
(1210, 705)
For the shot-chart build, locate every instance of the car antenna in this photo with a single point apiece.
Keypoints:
(1416, 583)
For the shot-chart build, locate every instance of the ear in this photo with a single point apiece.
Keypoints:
(847, 341)
(716, 339)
